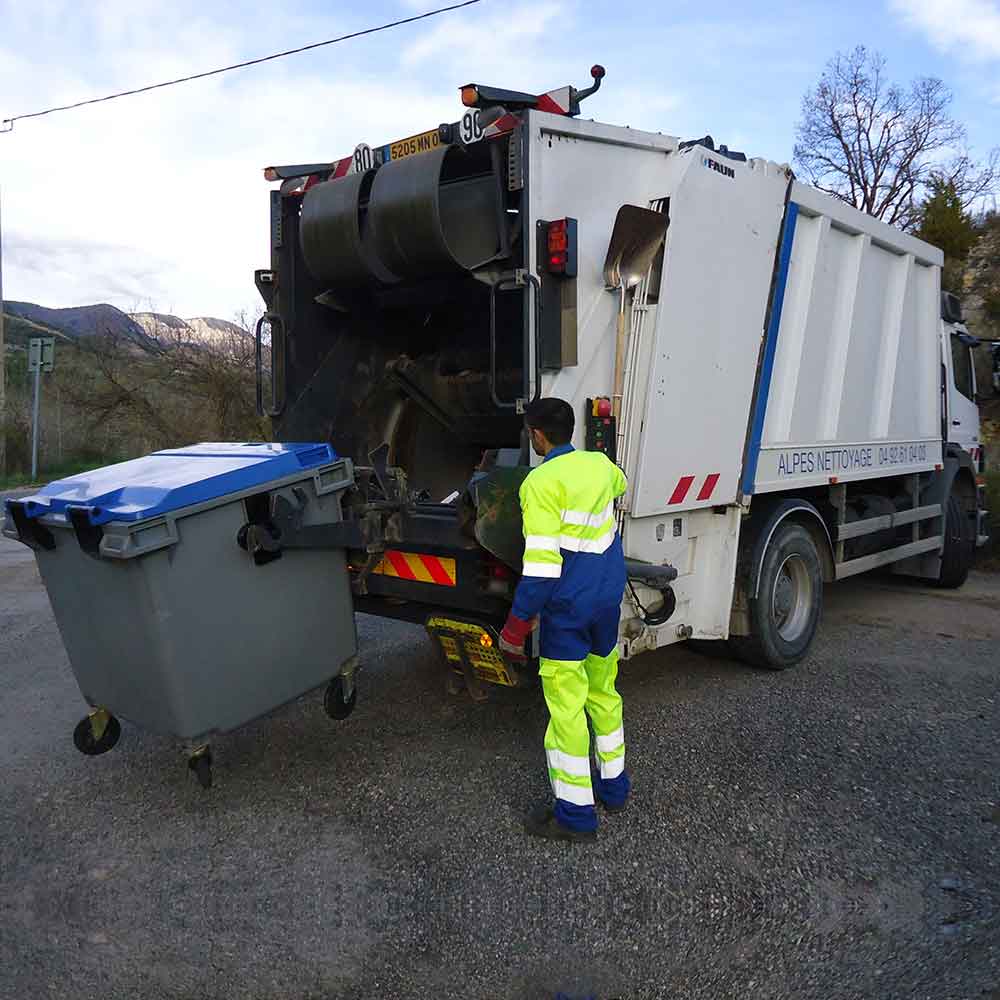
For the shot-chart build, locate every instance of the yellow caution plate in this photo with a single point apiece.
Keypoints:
(460, 640)
(418, 567)
(422, 143)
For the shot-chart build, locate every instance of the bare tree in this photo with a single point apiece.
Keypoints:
(218, 374)
(117, 382)
(166, 388)
(876, 145)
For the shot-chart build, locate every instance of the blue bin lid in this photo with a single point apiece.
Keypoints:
(179, 477)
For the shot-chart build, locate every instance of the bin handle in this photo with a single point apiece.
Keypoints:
(30, 531)
(276, 403)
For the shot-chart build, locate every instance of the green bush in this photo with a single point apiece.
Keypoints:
(990, 558)
(111, 399)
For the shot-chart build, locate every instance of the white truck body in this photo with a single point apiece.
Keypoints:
(728, 394)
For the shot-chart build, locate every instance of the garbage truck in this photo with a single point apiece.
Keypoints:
(778, 375)
(783, 399)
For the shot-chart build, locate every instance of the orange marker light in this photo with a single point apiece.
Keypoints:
(485, 640)
(470, 95)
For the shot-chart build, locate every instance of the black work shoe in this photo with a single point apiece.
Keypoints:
(541, 822)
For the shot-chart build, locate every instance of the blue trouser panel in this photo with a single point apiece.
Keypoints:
(578, 668)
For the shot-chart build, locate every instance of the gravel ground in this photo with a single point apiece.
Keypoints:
(827, 832)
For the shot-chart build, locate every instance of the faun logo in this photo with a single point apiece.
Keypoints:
(719, 168)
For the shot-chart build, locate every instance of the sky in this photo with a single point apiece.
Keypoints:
(158, 201)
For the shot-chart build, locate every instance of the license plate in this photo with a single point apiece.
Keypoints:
(418, 567)
(466, 641)
(422, 143)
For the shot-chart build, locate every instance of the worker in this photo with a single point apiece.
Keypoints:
(571, 588)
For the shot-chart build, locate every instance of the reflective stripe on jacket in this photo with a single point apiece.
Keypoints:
(572, 553)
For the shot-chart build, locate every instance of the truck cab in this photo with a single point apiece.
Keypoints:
(960, 412)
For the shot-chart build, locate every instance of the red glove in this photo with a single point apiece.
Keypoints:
(514, 633)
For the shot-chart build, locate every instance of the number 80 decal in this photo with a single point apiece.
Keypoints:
(364, 159)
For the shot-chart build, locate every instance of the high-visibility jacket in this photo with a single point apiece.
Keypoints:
(574, 566)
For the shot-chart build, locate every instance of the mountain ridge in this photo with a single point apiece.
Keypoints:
(146, 328)
(78, 321)
(197, 329)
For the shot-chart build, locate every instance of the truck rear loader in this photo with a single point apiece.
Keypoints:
(782, 401)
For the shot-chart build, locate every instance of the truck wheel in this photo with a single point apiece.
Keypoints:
(789, 601)
(959, 545)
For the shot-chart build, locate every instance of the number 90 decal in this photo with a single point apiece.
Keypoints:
(469, 129)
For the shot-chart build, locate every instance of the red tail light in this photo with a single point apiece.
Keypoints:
(561, 247)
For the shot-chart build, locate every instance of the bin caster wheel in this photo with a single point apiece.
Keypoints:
(201, 764)
(337, 707)
(97, 733)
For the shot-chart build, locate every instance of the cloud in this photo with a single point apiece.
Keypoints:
(87, 271)
(490, 45)
(160, 197)
(967, 27)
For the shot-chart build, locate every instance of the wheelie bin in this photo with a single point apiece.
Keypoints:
(168, 620)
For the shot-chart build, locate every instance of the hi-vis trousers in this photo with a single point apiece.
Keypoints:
(575, 691)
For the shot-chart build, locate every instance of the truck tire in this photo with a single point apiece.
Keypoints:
(959, 545)
(786, 611)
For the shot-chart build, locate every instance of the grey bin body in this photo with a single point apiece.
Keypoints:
(193, 638)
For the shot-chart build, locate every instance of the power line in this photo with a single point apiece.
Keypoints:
(8, 123)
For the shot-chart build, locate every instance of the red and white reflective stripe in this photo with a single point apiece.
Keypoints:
(684, 485)
(502, 126)
(556, 102)
(680, 490)
(342, 167)
(708, 487)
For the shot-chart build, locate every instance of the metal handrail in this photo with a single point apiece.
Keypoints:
(278, 340)
(522, 279)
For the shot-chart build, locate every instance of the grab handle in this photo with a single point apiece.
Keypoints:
(276, 403)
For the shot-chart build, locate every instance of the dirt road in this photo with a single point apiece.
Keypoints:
(832, 831)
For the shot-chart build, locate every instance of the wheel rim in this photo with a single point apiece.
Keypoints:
(792, 598)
